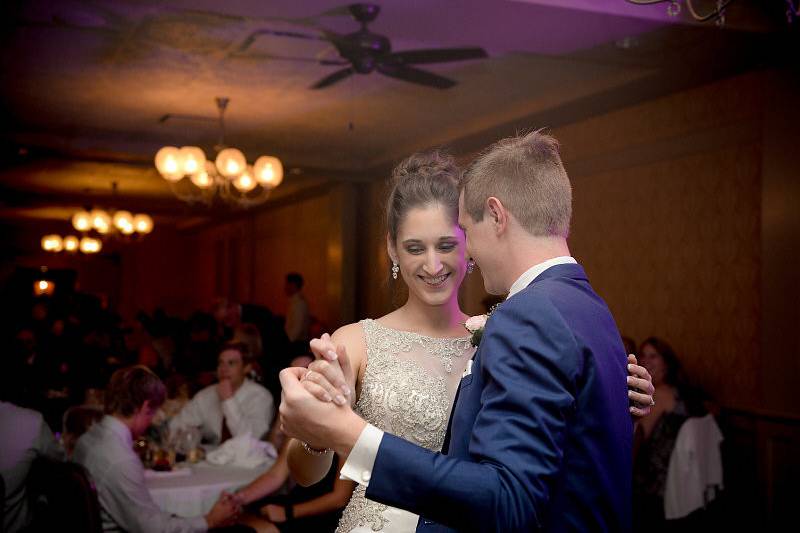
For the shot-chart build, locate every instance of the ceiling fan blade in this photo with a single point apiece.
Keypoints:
(336, 12)
(250, 39)
(293, 34)
(337, 76)
(415, 75)
(272, 57)
(434, 55)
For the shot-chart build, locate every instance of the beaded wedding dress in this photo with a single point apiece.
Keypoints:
(407, 390)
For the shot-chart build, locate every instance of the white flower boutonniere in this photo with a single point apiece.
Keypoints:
(475, 325)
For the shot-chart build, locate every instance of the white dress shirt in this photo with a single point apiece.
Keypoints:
(297, 318)
(251, 408)
(24, 436)
(106, 451)
(361, 460)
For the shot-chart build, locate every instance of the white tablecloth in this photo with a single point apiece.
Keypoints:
(195, 494)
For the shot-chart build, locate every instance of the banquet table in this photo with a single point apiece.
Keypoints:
(192, 489)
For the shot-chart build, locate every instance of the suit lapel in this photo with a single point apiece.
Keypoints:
(446, 444)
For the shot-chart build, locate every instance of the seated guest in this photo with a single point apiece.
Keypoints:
(77, 421)
(314, 508)
(655, 433)
(24, 436)
(232, 407)
(106, 451)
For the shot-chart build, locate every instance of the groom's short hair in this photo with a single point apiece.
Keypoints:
(526, 174)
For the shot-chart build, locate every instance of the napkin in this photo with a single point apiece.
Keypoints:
(243, 451)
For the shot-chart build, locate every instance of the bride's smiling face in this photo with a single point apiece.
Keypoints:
(430, 252)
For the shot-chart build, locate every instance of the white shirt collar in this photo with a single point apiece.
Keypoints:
(533, 272)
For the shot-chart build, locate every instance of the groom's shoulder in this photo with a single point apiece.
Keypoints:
(529, 305)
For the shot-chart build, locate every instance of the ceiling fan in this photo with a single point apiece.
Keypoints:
(363, 52)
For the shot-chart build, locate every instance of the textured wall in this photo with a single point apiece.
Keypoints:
(667, 224)
(245, 260)
(667, 207)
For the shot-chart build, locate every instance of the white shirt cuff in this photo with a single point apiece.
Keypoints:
(361, 461)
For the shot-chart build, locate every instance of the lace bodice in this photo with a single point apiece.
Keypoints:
(407, 389)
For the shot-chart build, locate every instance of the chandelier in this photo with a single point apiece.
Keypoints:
(96, 225)
(72, 244)
(229, 177)
(717, 13)
(108, 223)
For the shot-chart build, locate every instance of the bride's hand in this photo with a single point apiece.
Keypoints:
(327, 378)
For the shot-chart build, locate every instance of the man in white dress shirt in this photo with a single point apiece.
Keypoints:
(234, 406)
(106, 451)
(24, 436)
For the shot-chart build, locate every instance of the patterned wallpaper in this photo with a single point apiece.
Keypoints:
(667, 225)
(674, 249)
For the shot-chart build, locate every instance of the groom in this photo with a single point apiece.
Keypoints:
(540, 436)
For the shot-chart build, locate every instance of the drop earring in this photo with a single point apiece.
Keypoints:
(395, 270)
(470, 266)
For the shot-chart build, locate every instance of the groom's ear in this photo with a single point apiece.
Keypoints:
(497, 214)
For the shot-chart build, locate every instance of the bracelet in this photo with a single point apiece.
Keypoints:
(314, 451)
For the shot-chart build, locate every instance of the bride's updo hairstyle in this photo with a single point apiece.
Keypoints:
(423, 179)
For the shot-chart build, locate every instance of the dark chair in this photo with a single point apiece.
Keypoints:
(62, 493)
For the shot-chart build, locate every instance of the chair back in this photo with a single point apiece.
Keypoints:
(63, 493)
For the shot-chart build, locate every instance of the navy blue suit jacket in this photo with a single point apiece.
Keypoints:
(540, 435)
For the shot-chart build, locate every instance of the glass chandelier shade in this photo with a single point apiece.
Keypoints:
(143, 223)
(123, 221)
(82, 221)
(168, 163)
(52, 243)
(231, 162)
(268, 171)
(101, 221)
(245, 181)
(71, 243)
(203, 179)
(191, 160)
(89, 245)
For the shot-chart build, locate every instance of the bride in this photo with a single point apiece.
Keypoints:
(407, 364)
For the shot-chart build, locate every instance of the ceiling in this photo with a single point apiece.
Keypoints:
(85, 83)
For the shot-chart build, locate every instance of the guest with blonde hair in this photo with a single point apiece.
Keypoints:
(106, 451)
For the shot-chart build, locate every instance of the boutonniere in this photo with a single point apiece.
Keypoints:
(476, 324)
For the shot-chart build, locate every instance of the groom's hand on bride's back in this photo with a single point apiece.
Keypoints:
(640, 388)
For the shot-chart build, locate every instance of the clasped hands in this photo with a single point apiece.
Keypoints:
(225, 512)
(316, 402)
